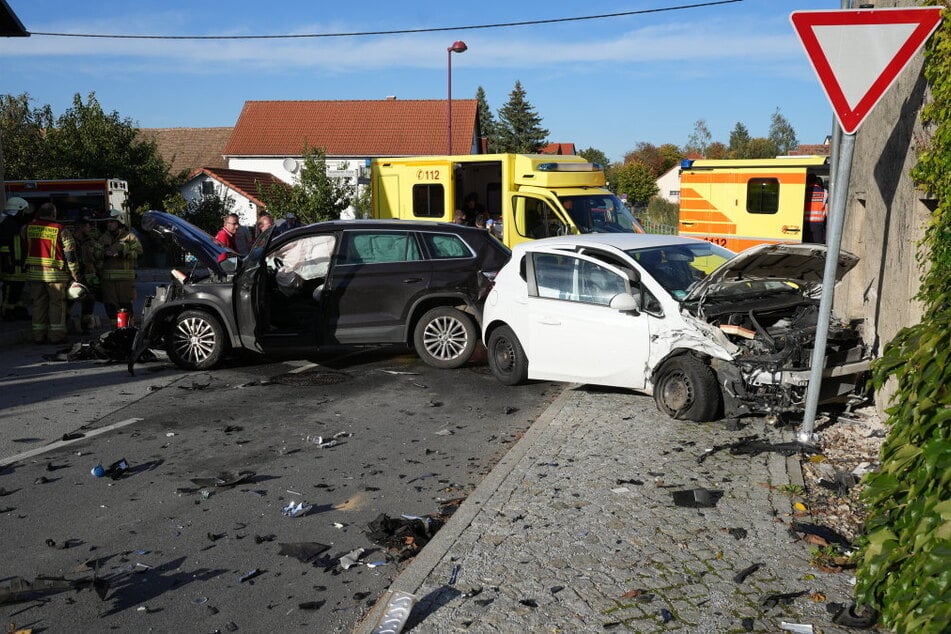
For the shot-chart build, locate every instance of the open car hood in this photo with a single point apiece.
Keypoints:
(190, 238)
(800, 264)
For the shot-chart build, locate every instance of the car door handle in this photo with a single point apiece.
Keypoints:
(548, 321)
(412, 280)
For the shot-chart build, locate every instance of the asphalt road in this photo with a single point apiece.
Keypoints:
(187, 556)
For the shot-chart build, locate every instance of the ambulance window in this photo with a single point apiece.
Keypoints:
(762, 195)
(429, 201)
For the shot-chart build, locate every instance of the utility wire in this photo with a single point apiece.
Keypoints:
(394, 32)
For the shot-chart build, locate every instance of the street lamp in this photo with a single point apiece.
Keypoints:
(457, 47)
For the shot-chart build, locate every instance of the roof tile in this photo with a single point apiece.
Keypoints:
(360, 128)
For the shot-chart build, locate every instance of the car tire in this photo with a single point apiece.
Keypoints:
(685, 388)
(445, 337)
(506, 357)
(196, 340)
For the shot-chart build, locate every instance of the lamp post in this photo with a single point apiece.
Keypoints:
(457, 47)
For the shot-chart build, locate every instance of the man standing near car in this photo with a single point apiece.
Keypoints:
(51, 265)
(225, 235)
(120, 250)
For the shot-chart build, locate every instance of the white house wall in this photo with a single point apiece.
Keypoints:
(243, 206)
(668, 185)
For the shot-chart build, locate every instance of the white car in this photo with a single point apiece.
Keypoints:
(708, 332)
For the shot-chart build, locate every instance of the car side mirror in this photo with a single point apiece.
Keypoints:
(627, 303)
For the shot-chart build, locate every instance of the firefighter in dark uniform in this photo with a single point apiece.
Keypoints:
(90, 263)
(12, 254)
(52, 265)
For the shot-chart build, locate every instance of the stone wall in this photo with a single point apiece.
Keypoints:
(885, 214)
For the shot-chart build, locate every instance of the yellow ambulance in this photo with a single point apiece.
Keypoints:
(519, 196)
(739, 203)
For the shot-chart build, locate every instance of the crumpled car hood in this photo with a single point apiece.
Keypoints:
(801, 264)
(189, 237)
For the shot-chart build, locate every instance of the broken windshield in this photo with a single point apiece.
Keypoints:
(600, 213)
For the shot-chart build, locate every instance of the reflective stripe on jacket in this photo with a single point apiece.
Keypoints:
(816, 207)
(50, 252)
(120, 266)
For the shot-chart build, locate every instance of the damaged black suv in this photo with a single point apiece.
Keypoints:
(328, 284)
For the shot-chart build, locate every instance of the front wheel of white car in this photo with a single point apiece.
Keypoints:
(196, 340)
(685, 388)
(445, 337)
(507, 358)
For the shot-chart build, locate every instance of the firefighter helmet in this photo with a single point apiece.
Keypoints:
(15, 205)
(76, 291)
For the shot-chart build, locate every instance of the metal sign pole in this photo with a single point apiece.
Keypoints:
(835, 222)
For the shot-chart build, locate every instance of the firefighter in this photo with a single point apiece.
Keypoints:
(51, 266)
(90, 263)
(12, 266)
(120, 249)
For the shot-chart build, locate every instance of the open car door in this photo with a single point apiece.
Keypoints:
(250, 294)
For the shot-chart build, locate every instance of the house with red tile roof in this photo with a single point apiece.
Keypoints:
(240, 186)
(271, 136)
(186, 149)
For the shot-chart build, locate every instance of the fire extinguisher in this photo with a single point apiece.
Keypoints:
(122, 319)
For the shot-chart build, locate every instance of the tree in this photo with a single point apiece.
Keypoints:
(699, 139)
(86, 142)
(637, 181)
(487, 124)
(671, 155)
(593, 155)
(739, 137)
(759, 147)
(782, 134)
(206, 213)
(718, 150)
(22, 133)
(519, 127)
(314, 198)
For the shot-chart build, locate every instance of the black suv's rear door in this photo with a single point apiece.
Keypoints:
(375, 280)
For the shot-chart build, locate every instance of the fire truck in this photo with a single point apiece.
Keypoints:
(74, 197)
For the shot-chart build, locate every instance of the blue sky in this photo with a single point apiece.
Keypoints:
(606, 83)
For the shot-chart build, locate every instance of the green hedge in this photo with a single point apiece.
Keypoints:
(905, 560)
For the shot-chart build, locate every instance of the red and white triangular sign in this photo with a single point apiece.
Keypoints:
(859, 54)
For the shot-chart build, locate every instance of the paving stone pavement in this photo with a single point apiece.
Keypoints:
(579, 517)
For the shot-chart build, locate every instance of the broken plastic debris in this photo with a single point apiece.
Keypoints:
(741, 576)
(666, 615)
(799, 628)
(376, 564)
(224, 479)
(697, 498)
(251, 574)
(311, 605)
(351, 558)
(295, 509)
(620, 490)
(338, 525)
(444, 432)
(302, 551)
(98, 471)
(20, 589)
(396, 614)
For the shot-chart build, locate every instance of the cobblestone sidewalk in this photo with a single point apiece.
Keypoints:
(576, 530)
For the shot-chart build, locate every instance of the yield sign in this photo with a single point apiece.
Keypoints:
(859, 54)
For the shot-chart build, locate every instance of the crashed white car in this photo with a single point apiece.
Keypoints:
(708, 332)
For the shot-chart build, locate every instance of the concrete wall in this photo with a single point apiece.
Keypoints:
(885, 214)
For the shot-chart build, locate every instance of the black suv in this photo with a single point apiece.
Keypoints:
(327, 284)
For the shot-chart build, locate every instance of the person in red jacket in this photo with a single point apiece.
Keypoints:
(816, 210)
